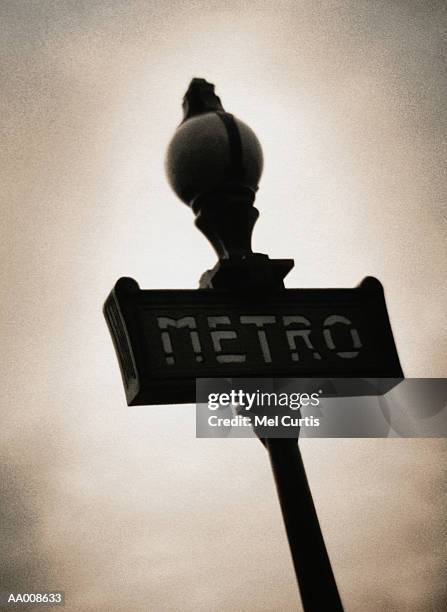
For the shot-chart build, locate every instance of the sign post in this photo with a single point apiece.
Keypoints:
(242, 322)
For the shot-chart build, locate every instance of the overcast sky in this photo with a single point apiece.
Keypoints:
(123, 508)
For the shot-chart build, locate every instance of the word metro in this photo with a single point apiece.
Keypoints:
(261, 325)
(165, 339)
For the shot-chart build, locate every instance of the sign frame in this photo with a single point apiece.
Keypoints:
(126, 311)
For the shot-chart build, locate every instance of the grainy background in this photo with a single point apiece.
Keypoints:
(124, 508)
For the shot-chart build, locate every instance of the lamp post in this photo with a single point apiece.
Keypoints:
(166, 339)
(214, 163)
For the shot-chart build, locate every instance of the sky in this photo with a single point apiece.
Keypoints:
(123, 508)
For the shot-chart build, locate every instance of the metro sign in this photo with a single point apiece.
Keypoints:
(166, 339)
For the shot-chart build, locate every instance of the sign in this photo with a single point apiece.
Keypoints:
(165, 339)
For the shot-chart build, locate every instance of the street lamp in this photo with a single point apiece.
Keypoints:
(167, 339)
(214, 163)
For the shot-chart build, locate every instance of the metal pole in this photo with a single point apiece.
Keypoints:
(313, 569)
